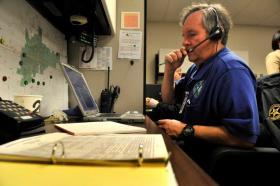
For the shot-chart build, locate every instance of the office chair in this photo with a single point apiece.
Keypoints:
(236, 166)
(268, 95)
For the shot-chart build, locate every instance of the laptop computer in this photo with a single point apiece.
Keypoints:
(87, 103)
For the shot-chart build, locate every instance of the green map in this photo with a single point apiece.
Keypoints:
(36, 57)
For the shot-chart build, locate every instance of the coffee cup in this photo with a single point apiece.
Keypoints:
(30, 102)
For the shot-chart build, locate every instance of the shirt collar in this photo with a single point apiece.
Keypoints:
(204, 67)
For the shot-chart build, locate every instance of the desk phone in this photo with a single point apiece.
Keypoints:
(15, 120)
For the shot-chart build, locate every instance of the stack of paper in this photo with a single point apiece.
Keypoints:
(98, 128)
(118, 149)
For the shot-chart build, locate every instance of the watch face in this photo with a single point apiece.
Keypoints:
(188, 131)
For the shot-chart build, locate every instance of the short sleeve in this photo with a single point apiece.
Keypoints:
(272, 63)
(237, 104)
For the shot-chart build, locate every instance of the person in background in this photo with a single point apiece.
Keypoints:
(177, 74)
(272, 60)
(218, 93)
(151, 102)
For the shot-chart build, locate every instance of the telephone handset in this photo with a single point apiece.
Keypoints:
(16, 120)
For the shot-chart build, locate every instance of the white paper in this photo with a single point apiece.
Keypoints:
(130, 44)
(105, 147)
(98, 128)
(102, 58)
(31, 142)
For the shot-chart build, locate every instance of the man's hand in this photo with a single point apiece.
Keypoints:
(176, 58)
(151, 102)
(172, 127)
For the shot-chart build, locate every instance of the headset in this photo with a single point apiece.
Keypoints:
(217, 31)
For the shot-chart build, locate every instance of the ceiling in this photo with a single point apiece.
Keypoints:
(243, 12)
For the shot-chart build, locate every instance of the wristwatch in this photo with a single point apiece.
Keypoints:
(187, 132)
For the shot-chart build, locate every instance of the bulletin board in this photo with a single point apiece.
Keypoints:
(30, 52)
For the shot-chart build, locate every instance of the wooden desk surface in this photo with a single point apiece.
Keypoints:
(186, 171)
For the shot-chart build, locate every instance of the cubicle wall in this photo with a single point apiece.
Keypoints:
(30, 52)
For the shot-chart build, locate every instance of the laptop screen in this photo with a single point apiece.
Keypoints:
(78, 84)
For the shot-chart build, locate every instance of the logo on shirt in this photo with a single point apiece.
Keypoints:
(197, 88)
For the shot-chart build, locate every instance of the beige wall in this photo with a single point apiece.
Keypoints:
(255, 40)
(129, 77)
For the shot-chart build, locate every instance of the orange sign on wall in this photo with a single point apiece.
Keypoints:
(130, 20)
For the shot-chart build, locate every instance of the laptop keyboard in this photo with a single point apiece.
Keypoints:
(128, 117)
(109, 115)
(133, 115)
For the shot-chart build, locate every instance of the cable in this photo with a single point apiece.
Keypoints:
(94, 44)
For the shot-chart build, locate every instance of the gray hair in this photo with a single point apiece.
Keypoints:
(209, 18)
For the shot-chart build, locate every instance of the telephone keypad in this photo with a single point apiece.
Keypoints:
(15, 110)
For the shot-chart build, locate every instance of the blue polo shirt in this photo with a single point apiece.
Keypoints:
(221, 91)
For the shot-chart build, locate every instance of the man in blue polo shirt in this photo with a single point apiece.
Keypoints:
(217, 95)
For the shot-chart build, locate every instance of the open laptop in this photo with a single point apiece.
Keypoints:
(87, 103)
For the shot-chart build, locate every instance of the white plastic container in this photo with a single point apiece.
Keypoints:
(31, 102)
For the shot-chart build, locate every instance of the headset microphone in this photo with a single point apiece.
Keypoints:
(213, 35)
(197, 45)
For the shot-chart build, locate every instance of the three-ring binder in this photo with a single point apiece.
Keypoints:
(127, 150)
(54, 151)
(140, 154)
(60, 146)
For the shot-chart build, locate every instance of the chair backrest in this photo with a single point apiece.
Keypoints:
(268, 94)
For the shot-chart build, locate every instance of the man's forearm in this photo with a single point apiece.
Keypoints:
(167, 87)
(220, 135)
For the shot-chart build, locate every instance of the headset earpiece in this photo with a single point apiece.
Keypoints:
(216, 32)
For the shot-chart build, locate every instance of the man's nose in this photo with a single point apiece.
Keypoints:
(185, 42)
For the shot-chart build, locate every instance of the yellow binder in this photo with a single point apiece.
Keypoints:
(29, 174)
(61, 159)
